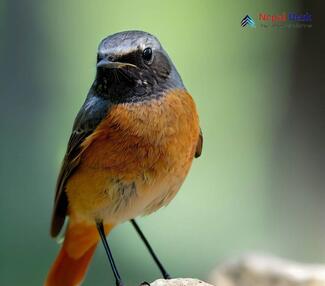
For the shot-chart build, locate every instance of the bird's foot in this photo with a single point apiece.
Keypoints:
(167, 276)
(119, 283)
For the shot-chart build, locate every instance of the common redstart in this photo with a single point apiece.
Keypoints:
(131, 147)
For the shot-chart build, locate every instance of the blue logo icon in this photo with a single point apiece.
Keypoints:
(247, 20)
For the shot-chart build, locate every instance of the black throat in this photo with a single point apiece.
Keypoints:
(119, 87)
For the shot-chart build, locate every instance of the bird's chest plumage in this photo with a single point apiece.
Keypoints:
(137, 158)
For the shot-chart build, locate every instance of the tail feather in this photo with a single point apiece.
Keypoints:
(71, 264)
(67, 271)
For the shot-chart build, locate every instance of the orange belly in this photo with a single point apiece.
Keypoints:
(136, 160)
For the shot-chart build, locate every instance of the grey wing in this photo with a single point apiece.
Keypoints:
(90, 115)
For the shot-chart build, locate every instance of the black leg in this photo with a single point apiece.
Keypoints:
(101, 231)
(154, 256)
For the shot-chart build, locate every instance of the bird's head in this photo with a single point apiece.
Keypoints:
(132, 66)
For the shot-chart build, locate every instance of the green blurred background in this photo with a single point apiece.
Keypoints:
(259, 184)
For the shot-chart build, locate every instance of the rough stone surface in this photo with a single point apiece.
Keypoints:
(262, 270)
(179, 282)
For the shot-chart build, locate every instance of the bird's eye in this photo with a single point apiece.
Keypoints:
(147, 54)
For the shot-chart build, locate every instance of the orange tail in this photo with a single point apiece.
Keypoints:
(70, 266)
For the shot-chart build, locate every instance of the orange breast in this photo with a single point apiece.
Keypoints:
(144, 145)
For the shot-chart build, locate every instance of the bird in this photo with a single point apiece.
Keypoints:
(132, 145)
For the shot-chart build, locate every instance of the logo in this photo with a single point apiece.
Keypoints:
(247, 20)
(282, 20)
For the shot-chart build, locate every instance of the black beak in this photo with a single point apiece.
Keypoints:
(105, 63)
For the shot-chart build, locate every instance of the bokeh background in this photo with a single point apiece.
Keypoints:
(259, 184)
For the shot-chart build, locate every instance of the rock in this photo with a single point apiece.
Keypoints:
(261, 270)
(179, 282)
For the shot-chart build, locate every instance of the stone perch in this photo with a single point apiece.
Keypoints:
(262, 270)
(179, 282)
(257, 270)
